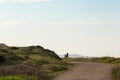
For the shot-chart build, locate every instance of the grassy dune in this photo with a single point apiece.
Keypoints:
(29, 63)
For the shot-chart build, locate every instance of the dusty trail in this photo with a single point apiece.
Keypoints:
(87, 71)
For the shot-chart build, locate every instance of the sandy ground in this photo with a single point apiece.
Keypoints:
(87, 71)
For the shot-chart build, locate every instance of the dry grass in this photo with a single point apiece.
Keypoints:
(22, 70)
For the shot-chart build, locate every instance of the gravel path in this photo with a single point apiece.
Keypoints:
(87, 71)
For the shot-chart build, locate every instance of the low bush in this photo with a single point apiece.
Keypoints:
(56, 68)
(59, 66)
(116, 72)
(14, 48)
(2, 59)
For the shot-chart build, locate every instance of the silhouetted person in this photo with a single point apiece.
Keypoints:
(66, 55)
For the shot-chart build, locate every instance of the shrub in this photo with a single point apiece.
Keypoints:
(56, 68)
(59, 66)
(2, 59)
(14, 48)
(116, 72)
(4, 50)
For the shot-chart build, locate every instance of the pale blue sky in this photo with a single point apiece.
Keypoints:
(85, 27)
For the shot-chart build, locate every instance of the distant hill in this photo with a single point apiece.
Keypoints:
(73, 56)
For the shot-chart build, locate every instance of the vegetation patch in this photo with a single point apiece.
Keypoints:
(29, 63)
(116, 72)
(12, 78)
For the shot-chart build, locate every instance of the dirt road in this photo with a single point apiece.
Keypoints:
(87, 71)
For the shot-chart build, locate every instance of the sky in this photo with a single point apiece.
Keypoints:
(84, 27)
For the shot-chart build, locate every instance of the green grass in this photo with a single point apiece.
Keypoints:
(32, 63)
(19, 78)
(12, 78)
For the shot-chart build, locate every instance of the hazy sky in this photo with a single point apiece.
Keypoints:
(85, 27)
